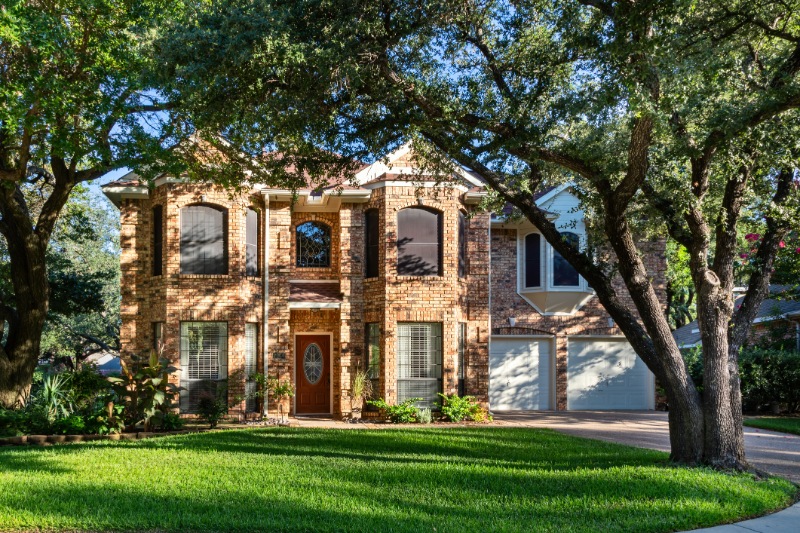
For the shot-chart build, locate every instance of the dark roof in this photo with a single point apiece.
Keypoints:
(315, 292)
(128, 180)
(786, 302)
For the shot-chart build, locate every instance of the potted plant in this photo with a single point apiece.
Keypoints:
(360, 390)
(281, 391)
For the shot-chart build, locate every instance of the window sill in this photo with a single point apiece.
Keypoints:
(418, 278)
(204, 276)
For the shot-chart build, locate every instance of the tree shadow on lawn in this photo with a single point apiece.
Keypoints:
(417, 499)
(510, 447)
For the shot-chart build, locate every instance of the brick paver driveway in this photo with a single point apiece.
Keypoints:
(778, 453)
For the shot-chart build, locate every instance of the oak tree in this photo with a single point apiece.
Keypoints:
(680, 113)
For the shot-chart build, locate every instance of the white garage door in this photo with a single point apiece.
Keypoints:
(607, 374)
(519, 374)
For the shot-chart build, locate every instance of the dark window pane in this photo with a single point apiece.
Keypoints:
(251, 243)
(203, 240)
(419, 237)
(564, 274)
(313, 245)
(371, 222)
(533, 263)
(462, 245)
(158, 240)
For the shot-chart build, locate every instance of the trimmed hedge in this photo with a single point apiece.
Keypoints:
(768, 377)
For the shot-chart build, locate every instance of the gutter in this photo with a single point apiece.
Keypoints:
(265, 286)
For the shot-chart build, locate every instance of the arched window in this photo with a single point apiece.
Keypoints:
(251, 243)
(419, 242)
(564, 274)
(204, 240)
(371, 243)
(313, 245)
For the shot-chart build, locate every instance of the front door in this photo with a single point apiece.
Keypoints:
(313, 374)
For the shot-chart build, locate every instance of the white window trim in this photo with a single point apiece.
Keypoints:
(546, 265)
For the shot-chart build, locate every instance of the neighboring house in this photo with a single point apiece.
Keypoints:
(397, 274)
(777, 321)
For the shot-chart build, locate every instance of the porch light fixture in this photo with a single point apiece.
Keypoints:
(512, 321)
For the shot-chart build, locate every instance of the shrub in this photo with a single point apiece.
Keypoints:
(457, 408)
(402, 413)
(212, 408)
(768, 377)
(424, 416)
(145, 391)
(106, 420)
(71, 425)
(171, 422)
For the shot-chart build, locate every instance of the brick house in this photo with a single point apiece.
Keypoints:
(396, 274)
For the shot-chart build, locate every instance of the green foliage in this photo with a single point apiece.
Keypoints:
(83, 269)
(54, 396)
(145, 390)
(171, 422)
(212, 407)
(361, 387)
(280, 389)
(424, 415)
(457, 408)
(403, 413)
(768, 377)
(71, 425)
(106, 420)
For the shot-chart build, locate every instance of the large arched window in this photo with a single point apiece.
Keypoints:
(313, 245)
(204, 240)
(419, 242)
(564, 274)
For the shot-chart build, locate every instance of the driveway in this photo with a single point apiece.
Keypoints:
(778, 453)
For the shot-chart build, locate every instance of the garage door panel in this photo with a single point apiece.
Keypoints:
(519, 374)
(607, 374)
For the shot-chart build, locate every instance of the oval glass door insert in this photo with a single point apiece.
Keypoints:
(312, 363)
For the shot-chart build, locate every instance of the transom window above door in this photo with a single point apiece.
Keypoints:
(313, 245)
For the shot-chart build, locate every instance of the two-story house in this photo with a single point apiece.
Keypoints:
(397, 273)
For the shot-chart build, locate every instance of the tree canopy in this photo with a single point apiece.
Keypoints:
(75, 103)
(675, 114)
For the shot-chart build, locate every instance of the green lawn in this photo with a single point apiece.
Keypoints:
(454, 479)
(785, 425)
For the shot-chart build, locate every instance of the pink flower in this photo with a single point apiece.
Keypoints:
(745, 256)
(797, 251)
(782, 244)
(752, 236)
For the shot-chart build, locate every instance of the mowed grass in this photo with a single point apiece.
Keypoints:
(784, 425)
(455, 479)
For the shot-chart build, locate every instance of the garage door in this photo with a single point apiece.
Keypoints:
(607, 374)
(519, 374)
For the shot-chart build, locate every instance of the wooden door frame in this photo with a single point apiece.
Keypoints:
(330, 365)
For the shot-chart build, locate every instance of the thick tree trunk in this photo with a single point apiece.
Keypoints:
(27, 313)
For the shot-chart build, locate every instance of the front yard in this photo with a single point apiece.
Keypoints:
(456, 479)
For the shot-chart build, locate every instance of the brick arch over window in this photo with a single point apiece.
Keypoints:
(204, 239)
(419, 242)
(313, 244)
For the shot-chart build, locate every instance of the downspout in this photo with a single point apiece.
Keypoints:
(265, 297)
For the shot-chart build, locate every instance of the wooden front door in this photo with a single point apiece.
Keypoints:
(313, 374)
